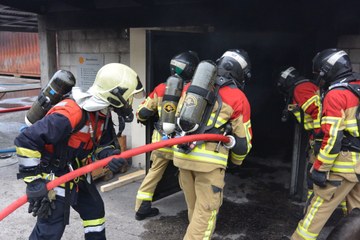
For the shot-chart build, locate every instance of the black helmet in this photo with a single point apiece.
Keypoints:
(184, 64)
(287, 80)
(234, 64)
(332, 65)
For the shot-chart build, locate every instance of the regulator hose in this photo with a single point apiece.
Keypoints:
(103, 162)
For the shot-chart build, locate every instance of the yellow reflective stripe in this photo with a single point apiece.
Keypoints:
(335, 123)
(144, 195)
(317, 102)
(352, 127)
(203, 155)
(248, 135)
(305, 234)
(346, 167)
(29, 179)
(159, 109)
(219, 121)
(27, 152)
(157, 138)
(237, 157)
(211, 225)
(311, 214)
(326, 158)
(95, 222)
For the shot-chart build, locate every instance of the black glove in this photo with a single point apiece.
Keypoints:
(107, 152)
(41, 200)
(319, 178)
(116, 164)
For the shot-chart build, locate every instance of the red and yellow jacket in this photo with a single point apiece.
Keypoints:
(235, 109)
(339, 109)
(52, 143)
(151, 108)
(307, 97)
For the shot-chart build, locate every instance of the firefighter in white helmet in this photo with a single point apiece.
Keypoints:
(74, 133)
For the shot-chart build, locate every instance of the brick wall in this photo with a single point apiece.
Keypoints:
(111, 45)
(351, 44)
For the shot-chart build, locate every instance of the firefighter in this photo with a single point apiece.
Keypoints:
(202, 168)
(303, 101)
(336, 170)
(182, 65)
(74, 133)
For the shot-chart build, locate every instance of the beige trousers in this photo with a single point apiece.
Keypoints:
(323, 204)
(203, 194)
(160, 160)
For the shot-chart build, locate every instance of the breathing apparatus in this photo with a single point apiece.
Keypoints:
(56, 90)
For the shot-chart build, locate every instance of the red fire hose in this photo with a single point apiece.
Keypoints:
(127, 154)
(14, 109)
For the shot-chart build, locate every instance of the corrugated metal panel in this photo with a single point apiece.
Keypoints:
(19, 54)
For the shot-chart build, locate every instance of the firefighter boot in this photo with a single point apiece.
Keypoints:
(145, 211)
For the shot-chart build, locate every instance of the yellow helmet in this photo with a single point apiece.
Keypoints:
(116, 84)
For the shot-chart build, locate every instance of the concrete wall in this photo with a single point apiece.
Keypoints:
(111, 46)
(351, 44)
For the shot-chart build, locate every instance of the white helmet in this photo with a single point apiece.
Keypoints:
(115, 84)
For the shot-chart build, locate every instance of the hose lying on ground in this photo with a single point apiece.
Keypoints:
(102, 163)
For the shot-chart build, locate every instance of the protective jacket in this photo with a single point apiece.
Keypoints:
(306, 101)
(340, 128)
(51, 143)
(235, 109)
(151, 107)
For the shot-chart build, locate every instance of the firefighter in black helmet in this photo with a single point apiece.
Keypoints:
(336, 170)
(181, 66)
(202, 164)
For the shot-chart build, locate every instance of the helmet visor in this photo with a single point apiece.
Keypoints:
(139, 91)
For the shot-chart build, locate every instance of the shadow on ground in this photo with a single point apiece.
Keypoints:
(256, 206)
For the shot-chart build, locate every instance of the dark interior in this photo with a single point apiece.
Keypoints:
(269, 54)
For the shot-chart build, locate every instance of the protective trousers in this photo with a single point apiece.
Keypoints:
(323, 204)
(160, 160)
(90, 208)
(203, 194)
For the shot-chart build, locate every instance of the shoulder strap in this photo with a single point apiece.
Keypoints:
(82, 122)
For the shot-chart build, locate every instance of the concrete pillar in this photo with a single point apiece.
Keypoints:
(47, 44)
(138, 63)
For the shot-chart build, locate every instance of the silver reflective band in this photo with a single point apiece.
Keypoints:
(28, 162)
(333, 59)
(178, 64)
(60, 191)
(237, 57)
(286, 73)
(94, 229)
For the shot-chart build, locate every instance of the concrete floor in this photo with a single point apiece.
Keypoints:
(256, 203)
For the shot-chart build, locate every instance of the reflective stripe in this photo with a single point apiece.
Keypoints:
(248, 135)
(305, 234)
(236, 157)
(94, 229)
(219, 121)
(144, 196)
(94, 222)
(202, 155)
(60, 191)
(28, 162)
(335, 123)
(328, 158)
(352, 127)
(27, 152)
(311, 214)
(211, 225)
(84, 129)
(237, 57)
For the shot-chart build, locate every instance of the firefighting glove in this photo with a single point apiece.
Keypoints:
(107, 152)
(116, 164)
(319, 178)
(41, 200)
